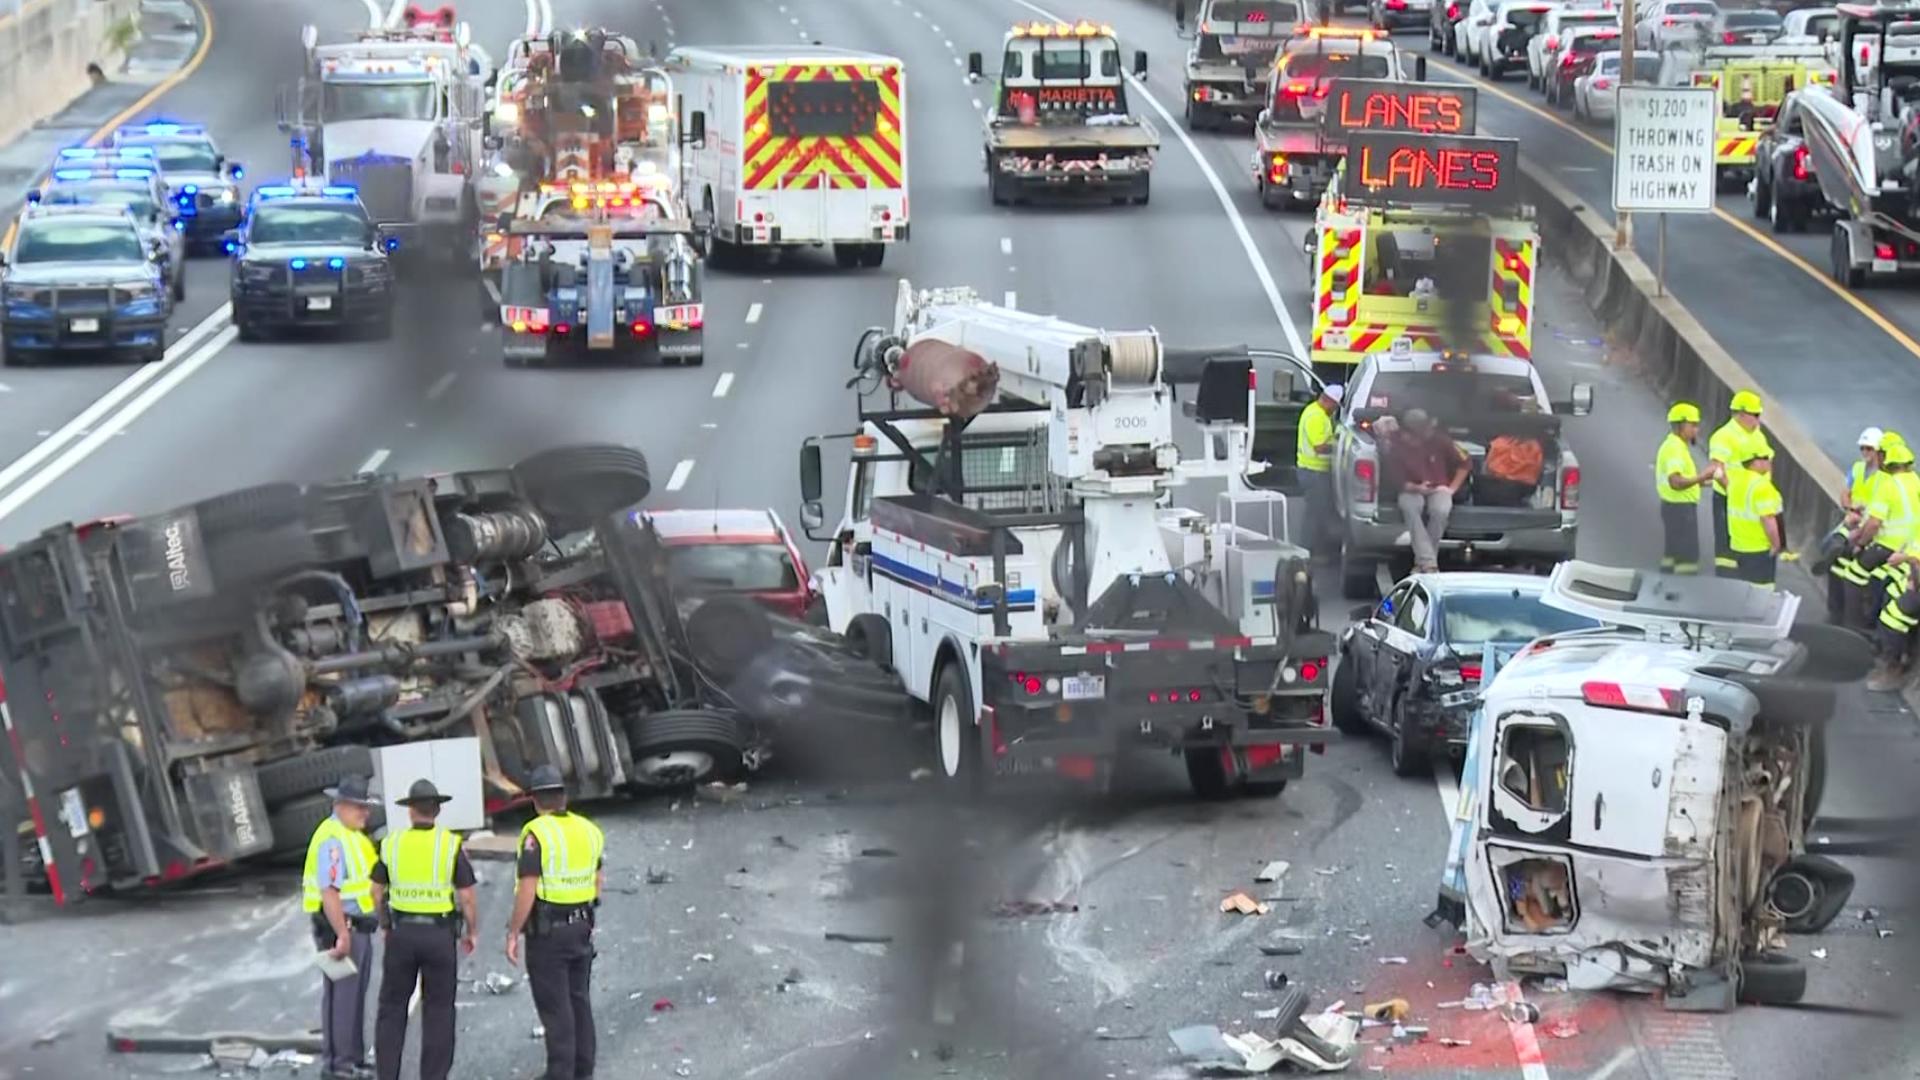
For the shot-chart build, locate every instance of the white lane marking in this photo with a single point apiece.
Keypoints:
(1006, 245)
(533, 17)
(5, 389)
(753, 313)
(803, 35)
(394, 11)
(976, 103)
(1220, 192)
(956, 63)
(680, 473)
(725, 384)
(935, 27)
(441, 385)
(81, 424)
(1619, 1062)
(374, 461)
(81, 450)
(1013, 299)
(949, 44)
(375, 17)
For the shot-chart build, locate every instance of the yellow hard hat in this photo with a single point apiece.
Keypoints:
(1891, 439)
(1683, 412)
(1899, 455)
(1746, 401)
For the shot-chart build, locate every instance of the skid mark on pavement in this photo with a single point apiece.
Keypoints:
(1067, 933)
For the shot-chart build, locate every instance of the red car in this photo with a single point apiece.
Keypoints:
(748, 552)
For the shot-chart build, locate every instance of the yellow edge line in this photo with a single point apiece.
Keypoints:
(152, 95)
(1898, 335)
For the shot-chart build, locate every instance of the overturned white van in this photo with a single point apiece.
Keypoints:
(1638, 796)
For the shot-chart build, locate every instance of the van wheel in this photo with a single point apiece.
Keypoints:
(957, 731)
(1772, 979)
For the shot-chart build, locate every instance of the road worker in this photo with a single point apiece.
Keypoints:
(1313, 460)
(1729, 446)
(1887, 522)
(1677, 482)
(1843, 570)
(1756, 534)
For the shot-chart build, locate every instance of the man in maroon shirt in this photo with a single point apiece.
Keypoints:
(1430, 470)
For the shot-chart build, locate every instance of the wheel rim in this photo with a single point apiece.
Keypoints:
(677, 768)
(950, 736)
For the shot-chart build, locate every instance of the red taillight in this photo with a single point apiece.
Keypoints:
(641, 328)
(1153, 697)
(1800, 155)
(1193, 695)
(1259, 757)
(1453, 12)
(1076, 766)
(1202, 93)
(563, 329)
(1396, 5)
(1031, 685)
(1471, 672)
(1298, 89)
(1365, 481)
(1883, 251)
(759, 217)
(1570, 488)
(1669, 22)
(1310, 669)
(1602, 83)
(886, 215)
(1728, 38)
(1642, 698)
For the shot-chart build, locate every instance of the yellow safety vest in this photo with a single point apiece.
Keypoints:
(1316, 428)
(1674, 457)
(357, 886)
(420, 870)
(1860, 483)
(570, 848)
(1895, 500)
(1752, 500)
(1732, 445)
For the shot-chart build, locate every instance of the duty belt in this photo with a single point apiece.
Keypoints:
(552, 916)
(416, 919)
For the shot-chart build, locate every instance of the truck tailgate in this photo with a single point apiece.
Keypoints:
(1481, 522)
(1104, 137)
(1294, 139)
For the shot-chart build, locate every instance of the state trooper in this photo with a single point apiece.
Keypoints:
(337, 893)
(421, 870)
(560, 870)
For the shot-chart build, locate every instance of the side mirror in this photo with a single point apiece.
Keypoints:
(697, 128)
(33, 195)
(385, 240)
(230, 241)
(1419, 69)
(812, 516)
(1139, 63)
(1180, 14)
(810, 482)
(975, 65)
(234, 171)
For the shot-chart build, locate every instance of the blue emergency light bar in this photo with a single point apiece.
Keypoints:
(168, 127)
(335, 263)
(73, 174)
(134, 174)
(290, 191)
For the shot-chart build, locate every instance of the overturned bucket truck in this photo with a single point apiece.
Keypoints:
(1637, 798)
(1005, 550)
(182, 687)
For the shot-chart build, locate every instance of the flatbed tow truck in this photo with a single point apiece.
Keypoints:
(1421, 245)
(1011, 561)
(1060, 123)
(1299, 139)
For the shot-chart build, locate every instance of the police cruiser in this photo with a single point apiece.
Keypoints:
(79, 280)
(135, 187)
(201, 182)
(307, 256)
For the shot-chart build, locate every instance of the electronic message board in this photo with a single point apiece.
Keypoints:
(1408, 169)
(1385, 105)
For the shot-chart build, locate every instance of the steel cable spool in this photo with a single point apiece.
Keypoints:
(1133, 359)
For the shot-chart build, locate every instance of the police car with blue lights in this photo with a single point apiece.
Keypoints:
(200, 180)
(307, 256)
(131, 184)
(80, 280)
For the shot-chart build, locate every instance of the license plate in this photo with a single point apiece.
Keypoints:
(684, 314)
(1880, 266)
(1336, 339)
(1083, 687)
(319, 303)
(74, 812)
(84, 326)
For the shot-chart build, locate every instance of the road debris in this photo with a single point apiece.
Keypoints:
(1276, 980)
(1564, 1027)
(1445, 1041)
(1016, 909)
(1819, 954)
(538, 1033)
(49, 1037)
(1246, 905)
(860, 939)
(1391, 1009)
(1272, 872)
(1393, 960)
(783, 843)
(703, 958)
(1360, 939)
(1284, 948)
(496, 983)
(661, 1005)
(879, 853)
(1320, 1043)
(658, 877)
(720, 792)
(921, 773)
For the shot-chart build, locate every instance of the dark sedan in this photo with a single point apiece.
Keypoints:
(1411, 665)
(1785, 192)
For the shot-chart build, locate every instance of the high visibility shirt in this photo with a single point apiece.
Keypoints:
(570, 851)
(1316, 429)
(419, 873)
(1674, 457)
(1894, 500)
(349, 859)
(1860, 481)
(1732, 445)
(1750, 501)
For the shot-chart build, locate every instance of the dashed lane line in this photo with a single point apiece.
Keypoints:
(1006, 245)
(441, 385)
(374, 461)
(1013, 299)
(724, 384)
(753, 313)
(680, 473)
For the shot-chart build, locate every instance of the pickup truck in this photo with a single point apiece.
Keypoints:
(1477, 399)
(1294, 155)
(1230, 66)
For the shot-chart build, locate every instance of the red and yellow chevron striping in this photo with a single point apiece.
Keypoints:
(787, 107)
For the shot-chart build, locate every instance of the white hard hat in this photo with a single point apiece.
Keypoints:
(1871, 437)
(1335, 391)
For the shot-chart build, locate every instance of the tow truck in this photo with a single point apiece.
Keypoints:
(1230, 65)
(1010, 559)
(1060, 122)
(1300, 137)
(583, 110)
(1421, 244)
(1752, 81)
(600, 270)
(1862, 142)
(182, 687)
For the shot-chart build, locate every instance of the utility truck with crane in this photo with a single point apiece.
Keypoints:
(1011, 557)
(1060, 123)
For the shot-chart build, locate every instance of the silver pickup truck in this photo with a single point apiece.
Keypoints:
(1477, 399)
(1230, 65)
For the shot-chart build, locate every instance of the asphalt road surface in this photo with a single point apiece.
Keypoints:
(756, 884)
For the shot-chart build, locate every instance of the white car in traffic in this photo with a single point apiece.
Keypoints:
(1674, 22)
(1596, 94)
(1553, 30)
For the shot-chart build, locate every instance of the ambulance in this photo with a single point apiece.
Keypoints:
(796, 146)
(1421, 245)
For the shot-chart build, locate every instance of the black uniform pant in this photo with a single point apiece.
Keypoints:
(430, 954)
(1723, 559)
(1680, 526)
(1755, 566)
(560, 971)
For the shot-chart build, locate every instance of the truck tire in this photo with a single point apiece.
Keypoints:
(255, 533)
(1772, 979)
(871, 637)
(1143, 190)
(293, 824)
(1834, 654)
(956, 731)
(574, 487)
(684, 747)
(1343, 699)
(846, 256)
(284, 781)
(1208, 773)
(872, 255)
(996, 185)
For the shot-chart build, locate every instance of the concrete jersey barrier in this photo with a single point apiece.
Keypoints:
(44, 52)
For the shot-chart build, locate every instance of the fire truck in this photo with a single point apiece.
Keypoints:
(574, 108)
(796, 146)
(1421, 244)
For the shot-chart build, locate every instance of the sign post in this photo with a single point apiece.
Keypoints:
(1663, 154)
(1629, 45)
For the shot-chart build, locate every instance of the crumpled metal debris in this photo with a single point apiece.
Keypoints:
(1015, 909)
(1207, 1047)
